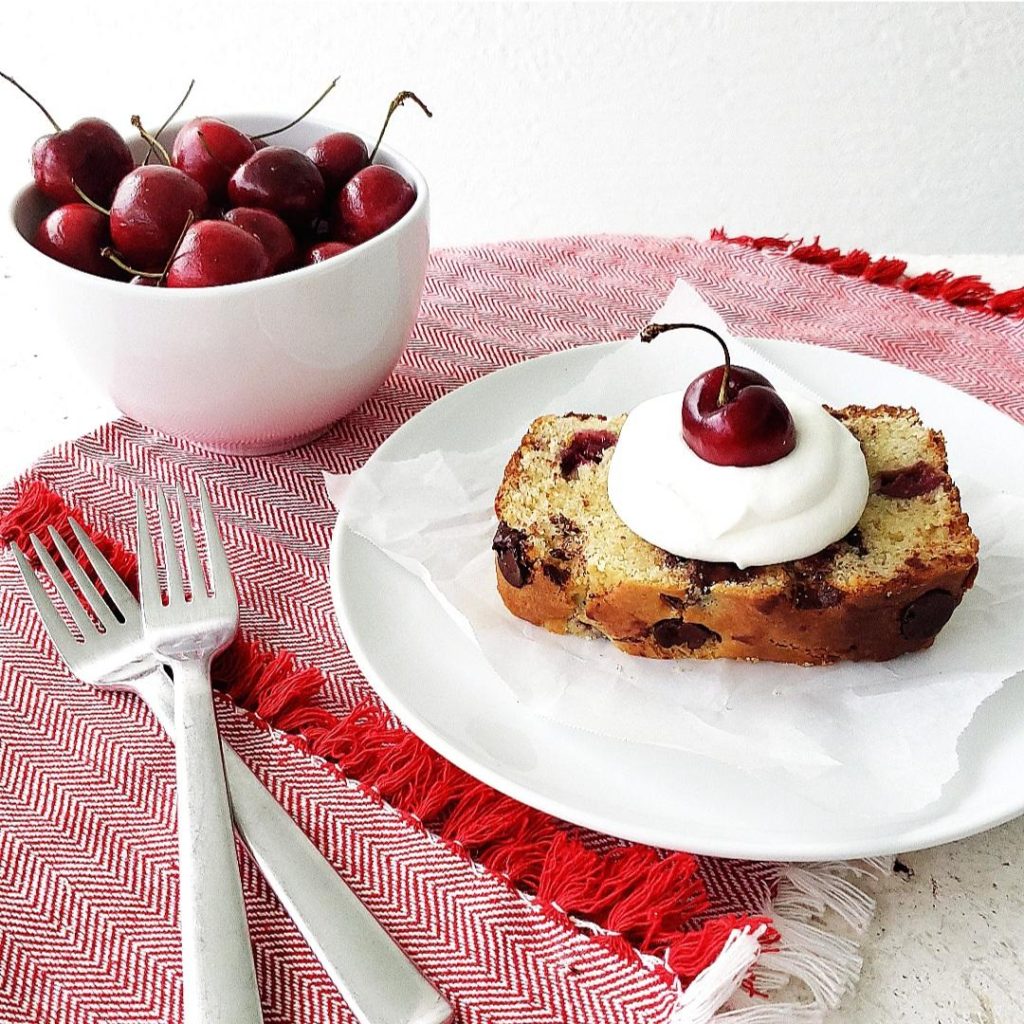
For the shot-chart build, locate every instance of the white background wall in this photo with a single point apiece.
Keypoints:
(892, 127)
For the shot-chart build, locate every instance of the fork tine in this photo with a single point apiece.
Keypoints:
(67, 593)
(86, 587)
(221, 581)
(115, 587)
(149, 583)
(172, 567)
(52, 620)
(196, 579)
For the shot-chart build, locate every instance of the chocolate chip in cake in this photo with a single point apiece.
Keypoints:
(910, 481)
(811, 589)
(811, 593)
(673, 601)
(556, 574)
(855, 539)
(923, 618)
(564, 525)
(510, 547)
(676, 633)
(707, 574)
(585, 446)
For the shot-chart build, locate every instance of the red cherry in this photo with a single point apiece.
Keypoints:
(75, 235)
(213, 253)
(209, 151)
(324, 251)
(144, 282)
(281, 180)
(149, 210)
(90, 154)
(338, 156)
(257, 142)
(753, 427)
(270, 231)
(371, 202)
(732, 416)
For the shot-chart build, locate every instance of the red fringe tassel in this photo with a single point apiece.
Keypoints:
(647, 899)
(688, 952)
(969, 290)
(37, 509)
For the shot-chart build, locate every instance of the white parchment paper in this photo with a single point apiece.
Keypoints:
(891, 728)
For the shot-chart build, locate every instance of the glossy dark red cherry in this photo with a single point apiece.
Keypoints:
(90, 154)
(731, 415)
(150, 208)
(270, 231)
(371, 202)
(751, 428)
(209, 151)
(339, 157)
(75, 234)
(324, 251)
(281, 180)
(213, 253)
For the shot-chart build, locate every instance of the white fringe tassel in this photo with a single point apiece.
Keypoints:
(828, 964)
(772, 1013)
(718, 981)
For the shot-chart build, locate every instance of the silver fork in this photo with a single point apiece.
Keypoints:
(185, 632)
(378, 981)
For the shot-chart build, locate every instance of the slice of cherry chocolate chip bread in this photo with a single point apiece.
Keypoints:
(566, 561)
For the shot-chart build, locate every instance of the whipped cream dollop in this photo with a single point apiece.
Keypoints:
(750, 515)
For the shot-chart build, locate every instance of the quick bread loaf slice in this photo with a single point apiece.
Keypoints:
(565, 561)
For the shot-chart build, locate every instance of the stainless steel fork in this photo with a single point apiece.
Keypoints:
(380, 984)
(185, 630)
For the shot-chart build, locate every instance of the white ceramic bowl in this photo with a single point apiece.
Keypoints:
(254, 367)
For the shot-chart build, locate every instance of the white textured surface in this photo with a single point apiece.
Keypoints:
(888, 127)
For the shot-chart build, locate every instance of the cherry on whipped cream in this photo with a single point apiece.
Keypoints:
(732, 416)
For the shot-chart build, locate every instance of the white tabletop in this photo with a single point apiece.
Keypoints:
(946, 942)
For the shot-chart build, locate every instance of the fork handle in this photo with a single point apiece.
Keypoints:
(379, 982)
(218, 974)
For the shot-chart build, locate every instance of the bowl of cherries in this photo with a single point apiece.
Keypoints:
(241, 281)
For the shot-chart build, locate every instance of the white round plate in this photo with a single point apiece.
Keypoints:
(434, 678)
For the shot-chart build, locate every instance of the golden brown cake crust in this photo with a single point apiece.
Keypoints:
(885, 590)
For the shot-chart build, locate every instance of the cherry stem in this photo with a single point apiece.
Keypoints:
(89, 202)
(174, 252)
(397, 102)
(161, 276)
(309, 110)
(154, 142)
(651, 331)
(109, 254)
(170, 117)
(24, 91)
(209, 152)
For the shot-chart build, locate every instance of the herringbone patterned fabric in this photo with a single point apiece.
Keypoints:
(88, 882)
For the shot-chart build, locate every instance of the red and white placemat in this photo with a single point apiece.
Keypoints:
(514, 915)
